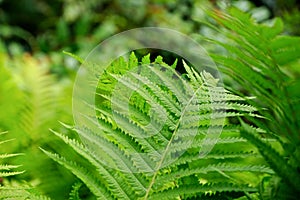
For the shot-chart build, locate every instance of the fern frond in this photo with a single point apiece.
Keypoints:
(285, 49)
(152, 123)
(218, 155)
(256, 57)
(20, 191)
(5, 169)
(8, 167)
(79, 59)
(40, 97)
(111, 180)
(5, 141)
(2, 156)
(201, 188)
(277, 162)
(74, 194)
(10, 173)
(111, 155)
(163, 179)
(94, 185)
(165, 99)
(256, 62)
(38, 100)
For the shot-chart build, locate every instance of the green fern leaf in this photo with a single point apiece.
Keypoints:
(277, 162)
(94, 185)
(194, 189)
(5, 169)
(74, 194)
(150, 134)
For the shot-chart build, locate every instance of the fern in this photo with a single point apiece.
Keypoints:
(6, 169)
(256, 57)
(163, 135)
(135, 159)
(14, 190)
(31, 102)
(277, 162)
(74, 194)
(19, 191)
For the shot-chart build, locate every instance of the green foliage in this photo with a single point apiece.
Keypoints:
(5, 169)
(14, 190)
(259, 60)
(78, 26)
(74, 195)
(19, 191)
(31, 102)
(161, 135)
(135, 159)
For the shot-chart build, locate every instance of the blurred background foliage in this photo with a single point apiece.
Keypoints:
(47, 27)
(36, 77)
(78, 25)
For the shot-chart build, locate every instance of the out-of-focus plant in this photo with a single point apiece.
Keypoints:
(13, 189)
(32, 101)
(258, 61)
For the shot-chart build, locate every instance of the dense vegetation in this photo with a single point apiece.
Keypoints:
(187, 135)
